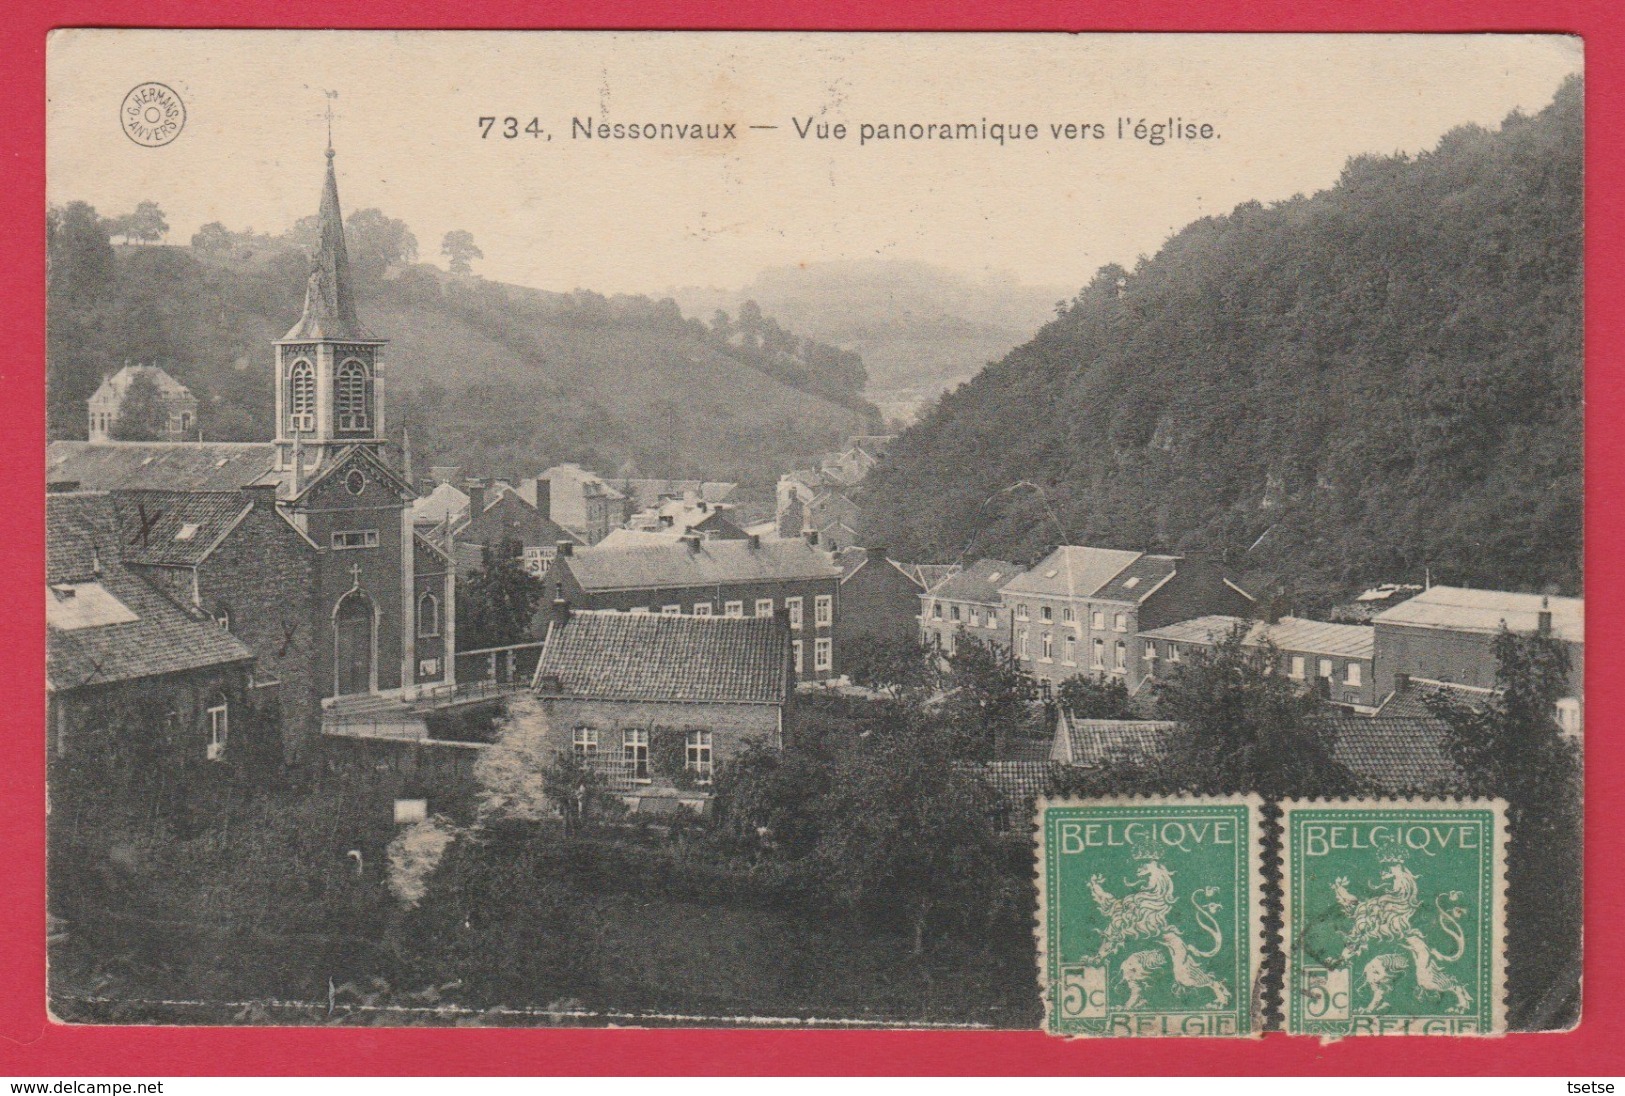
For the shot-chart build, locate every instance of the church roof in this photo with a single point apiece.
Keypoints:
(329, 304)
(161, 466)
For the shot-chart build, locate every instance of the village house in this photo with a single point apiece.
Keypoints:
(688, 514)
(1445, 637)
(501, 516)
(648, 494)
(118, 651)
(820, 500)
(303, 547)
(968, 603)
(880, 598)
(1080, 610)
(581, 501)
(180, 406)
(1335, 661)
(1102, 743)
(726, 578)
(656, 703)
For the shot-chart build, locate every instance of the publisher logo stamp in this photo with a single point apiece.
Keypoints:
(152, 115)
(1393, 918)
(1149, 916)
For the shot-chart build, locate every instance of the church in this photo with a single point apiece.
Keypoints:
(302, 548)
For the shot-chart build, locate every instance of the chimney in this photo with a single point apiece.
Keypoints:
(1543, 624)
(754, 540)
(561, 611)
(566, 549)
(1402, 683)
(476, 497)
(667, 520)
(691, 540)
(543, 491)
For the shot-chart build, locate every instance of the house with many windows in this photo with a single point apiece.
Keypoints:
(751, 578)
(180, 406)
(655, 703)
(967, 603)
(1335, 661)
(1080, 610)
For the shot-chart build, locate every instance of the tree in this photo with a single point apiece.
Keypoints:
(1243, 727)
(989, 696)
(1095, 698)
(1514, 748)
(496, 604)
(146, 225)
(212, 237)
(142, 415)
(376, 242)
(908, 837)
(459, 247)
(900, 668)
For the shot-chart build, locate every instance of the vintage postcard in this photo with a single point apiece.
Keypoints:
(1150, 916)
(626, 528)
(1395, 917)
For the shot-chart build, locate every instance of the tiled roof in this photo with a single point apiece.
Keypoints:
(1072, 571)
(715, 562)
(1288, 633)
(175, 528)
(1412, 701)
(1098, 742)
(1016, 783)
(154, 636)
(1399, 754)
(622, 656)
(979, 583)
(1021, 748)
(1457, 609)
(1139, 579)
(160, 466)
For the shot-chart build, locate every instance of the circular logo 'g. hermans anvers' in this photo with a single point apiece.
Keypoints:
(152, 115)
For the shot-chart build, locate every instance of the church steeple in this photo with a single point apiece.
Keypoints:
(329, 306)
(330, 385)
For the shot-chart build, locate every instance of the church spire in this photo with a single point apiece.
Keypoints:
(329, 306)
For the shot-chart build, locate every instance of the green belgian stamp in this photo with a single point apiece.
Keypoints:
(1393, 918)
(1149, 916)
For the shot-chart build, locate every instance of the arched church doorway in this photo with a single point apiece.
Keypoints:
(353, 625)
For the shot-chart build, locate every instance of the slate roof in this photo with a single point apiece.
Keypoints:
(927, 575)
(1137, 581)
(1072, 571)
(161, 466)
(163, 637)
(1398, 754)
(652, 657)
(1289, 634)
(443, 502)
(329, 311)
(1093, 743)
(979, 583)
(113, 388)
(175, 528)
(716, 562)
(1456, 609)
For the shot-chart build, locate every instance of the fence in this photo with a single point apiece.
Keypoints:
(497, 669)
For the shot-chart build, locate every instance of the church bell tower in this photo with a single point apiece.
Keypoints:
(329, 368)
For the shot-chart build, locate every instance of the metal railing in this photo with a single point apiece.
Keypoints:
(500, 669)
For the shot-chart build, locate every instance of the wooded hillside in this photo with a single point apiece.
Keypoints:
(1382, 379)
(500, 379)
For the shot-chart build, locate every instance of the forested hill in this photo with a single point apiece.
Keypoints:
(500, 379)
(1380, 379)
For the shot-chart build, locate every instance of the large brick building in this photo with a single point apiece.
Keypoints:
(1080, 610)
(1446, 636)
(302, 547)
(968, 603)
(657, 703)
(727, 578)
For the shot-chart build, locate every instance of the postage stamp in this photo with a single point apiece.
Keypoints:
(1394, 917)
(1149, 917)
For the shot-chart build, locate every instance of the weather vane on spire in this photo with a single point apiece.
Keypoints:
(331, 95)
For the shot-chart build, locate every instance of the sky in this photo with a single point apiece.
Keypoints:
(561, 212)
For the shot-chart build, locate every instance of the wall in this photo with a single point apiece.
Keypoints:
(81, 718)
(1461, 658)
(429, 577)
(878, 601)
(331, 507)
(943, 633)
(731, 725)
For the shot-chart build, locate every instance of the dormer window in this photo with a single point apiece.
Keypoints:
(301, 397)
(351, 392)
